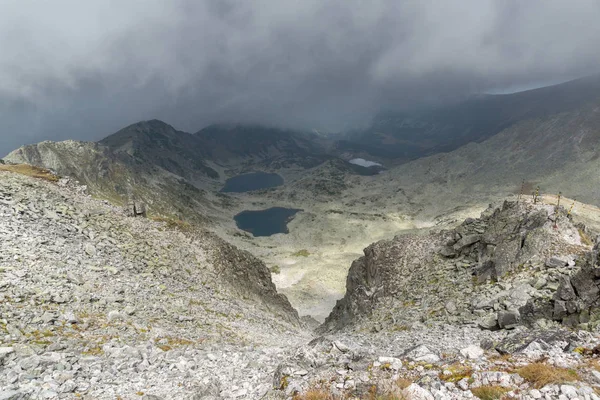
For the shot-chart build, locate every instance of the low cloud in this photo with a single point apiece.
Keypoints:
(73, 69)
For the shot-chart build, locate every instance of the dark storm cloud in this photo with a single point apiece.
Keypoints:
(83, 69)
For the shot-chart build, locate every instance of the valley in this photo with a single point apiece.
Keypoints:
(404, 263)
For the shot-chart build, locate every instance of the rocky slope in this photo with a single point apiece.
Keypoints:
(99, 304)
(514, 265)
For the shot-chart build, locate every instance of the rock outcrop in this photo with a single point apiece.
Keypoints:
(512, 266)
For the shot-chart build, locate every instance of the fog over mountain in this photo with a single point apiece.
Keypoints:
(82, 70)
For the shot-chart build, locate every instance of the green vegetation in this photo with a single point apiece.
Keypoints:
(275, 269)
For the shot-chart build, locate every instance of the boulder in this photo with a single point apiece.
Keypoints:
(489, 321)
(472, 352)
(509, 319)
(421, 353)
(416, 392)
(556, 262)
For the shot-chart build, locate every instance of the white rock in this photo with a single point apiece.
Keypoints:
(5, 351)
(416, 392)
(536, 394)
(115, 315)
(569, 391)
(463, 384)
(394, 363)
(472, 352)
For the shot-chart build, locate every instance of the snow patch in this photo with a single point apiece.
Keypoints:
(364, 163)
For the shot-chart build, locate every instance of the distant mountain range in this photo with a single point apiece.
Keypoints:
(546, 134)
(403, 136)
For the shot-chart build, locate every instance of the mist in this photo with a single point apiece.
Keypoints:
(82, 70)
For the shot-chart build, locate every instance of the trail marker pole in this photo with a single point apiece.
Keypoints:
(557, 211)
(535, 196)
(571, 209)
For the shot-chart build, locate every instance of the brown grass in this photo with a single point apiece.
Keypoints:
(374, 393)
(315, 394)
(30, 170)
(458, 372)
(540, 374)
(489, 392)
(403, 383)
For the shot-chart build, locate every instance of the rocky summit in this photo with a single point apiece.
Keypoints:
(97, 302)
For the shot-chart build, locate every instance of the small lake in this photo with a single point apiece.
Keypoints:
(252, 181)
(265, 222)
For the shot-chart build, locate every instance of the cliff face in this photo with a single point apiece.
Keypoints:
(500, 270)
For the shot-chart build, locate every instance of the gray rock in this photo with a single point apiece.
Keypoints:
(556, 262)
(560, 310)
(509, 319)
(421, 353)
(489, 321)
(466, 241)
(30, 363)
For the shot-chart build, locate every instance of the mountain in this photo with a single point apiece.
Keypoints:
(97, 303)
(170, 170)
(404, 136)
(158, 143)
(222, 143)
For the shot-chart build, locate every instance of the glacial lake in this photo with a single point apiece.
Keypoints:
(265, 222)
(252, 181)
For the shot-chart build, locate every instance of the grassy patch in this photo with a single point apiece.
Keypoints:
(314, 394)
(30, 170)
(489, 392)
(457, 372)
(275, 269)
(403, 383)
(301, 253)
(540, 374)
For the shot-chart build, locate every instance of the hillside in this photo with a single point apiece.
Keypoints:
(403, 136)
(104, 305)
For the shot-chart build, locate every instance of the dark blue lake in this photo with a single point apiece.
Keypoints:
(266, 222)
(252, 181)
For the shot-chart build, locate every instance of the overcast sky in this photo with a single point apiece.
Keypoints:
(83, 69)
